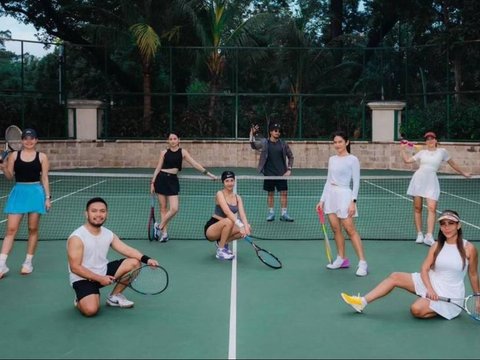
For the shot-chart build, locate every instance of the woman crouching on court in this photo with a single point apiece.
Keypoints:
(30, 195)
(166, 185)
(339, 202)
(224, 226)
(442, 274)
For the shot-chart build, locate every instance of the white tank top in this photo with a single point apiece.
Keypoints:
(95, 250)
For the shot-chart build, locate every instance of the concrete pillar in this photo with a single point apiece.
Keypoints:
(84, 119)
(386, 119)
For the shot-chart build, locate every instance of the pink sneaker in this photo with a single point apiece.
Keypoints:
(339, 263)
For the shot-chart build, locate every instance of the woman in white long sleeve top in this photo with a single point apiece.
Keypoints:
(339, 202)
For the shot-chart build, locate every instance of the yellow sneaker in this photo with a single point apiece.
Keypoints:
(354, 301)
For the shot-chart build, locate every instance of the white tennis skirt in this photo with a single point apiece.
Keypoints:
(442, 308)
(26, 198)
(338, 200)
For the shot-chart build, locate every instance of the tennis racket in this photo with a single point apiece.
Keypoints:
(146, 280)
(151, 220)
(265, 257)
(328, 249)
(13, 141)
(470, 304)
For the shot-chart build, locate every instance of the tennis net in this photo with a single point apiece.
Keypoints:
(385, 211)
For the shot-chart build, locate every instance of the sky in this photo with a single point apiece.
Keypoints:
(21, 31)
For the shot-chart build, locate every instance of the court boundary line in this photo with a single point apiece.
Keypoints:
(232, 336)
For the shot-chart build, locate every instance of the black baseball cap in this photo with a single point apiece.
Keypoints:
(29, 132)
(228, 175)
(274, 126)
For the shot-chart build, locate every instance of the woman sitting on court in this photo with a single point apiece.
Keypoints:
(166, 185)
(442, 274)
(224, 226)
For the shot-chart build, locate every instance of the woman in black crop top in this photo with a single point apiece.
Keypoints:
(30, 195)
(229, 220)
(165, 182)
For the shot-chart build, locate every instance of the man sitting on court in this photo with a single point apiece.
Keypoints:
(89, 268)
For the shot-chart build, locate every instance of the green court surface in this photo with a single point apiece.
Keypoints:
(206, 313)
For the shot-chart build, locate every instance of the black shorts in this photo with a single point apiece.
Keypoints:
(208, 224)
(85, 287)
(270, 185)
(167, 184)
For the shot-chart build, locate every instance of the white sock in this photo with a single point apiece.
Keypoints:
(28, 259)
(270, 210)
(284, 210)
(364, 301)
(3, 259)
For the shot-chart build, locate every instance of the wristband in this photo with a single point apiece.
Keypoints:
(144, 259)
(48, 197)
(239, 223)
(205, 172)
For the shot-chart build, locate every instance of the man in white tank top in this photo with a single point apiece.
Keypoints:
(88, 266)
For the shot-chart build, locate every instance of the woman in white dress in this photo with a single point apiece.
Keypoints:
(424, 183)
(339, 202)
(442, 274)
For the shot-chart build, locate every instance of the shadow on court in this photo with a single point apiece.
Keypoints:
(294, 312)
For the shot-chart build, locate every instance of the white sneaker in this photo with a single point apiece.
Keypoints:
(428, 240)
(157, 232)
(223, 254)
(362, 269)
(27, 268)
(419, 239)
(164, 237)
(3, 270)
(119, 300)
(339, 263)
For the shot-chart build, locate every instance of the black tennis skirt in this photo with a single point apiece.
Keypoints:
(167, 184)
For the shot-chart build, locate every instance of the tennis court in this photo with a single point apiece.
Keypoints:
(239, 309)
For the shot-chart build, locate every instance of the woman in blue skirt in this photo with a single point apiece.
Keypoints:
(30, 195)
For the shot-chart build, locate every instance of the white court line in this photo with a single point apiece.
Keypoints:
(460, 197)
(72, 193)
(425, 206)
(232, 338)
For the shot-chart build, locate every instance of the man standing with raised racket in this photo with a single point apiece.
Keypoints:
(89, 268)
(274, 154)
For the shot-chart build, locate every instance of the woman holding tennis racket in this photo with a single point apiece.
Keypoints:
(224, 226)
(441, 275)
(30, 195)
(165, 182)
(339, 202)
(424, 183)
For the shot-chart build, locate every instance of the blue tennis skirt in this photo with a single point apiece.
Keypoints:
(26, 198)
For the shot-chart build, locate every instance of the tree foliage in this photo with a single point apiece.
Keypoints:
(319, 62)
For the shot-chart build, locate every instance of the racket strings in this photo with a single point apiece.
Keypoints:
(269, 259)
(150, 280)
(13, 136)
(472, 305)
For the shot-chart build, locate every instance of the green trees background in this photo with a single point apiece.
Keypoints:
(210, 68)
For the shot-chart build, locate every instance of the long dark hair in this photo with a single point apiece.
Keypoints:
(441, 241)
(344, 136)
